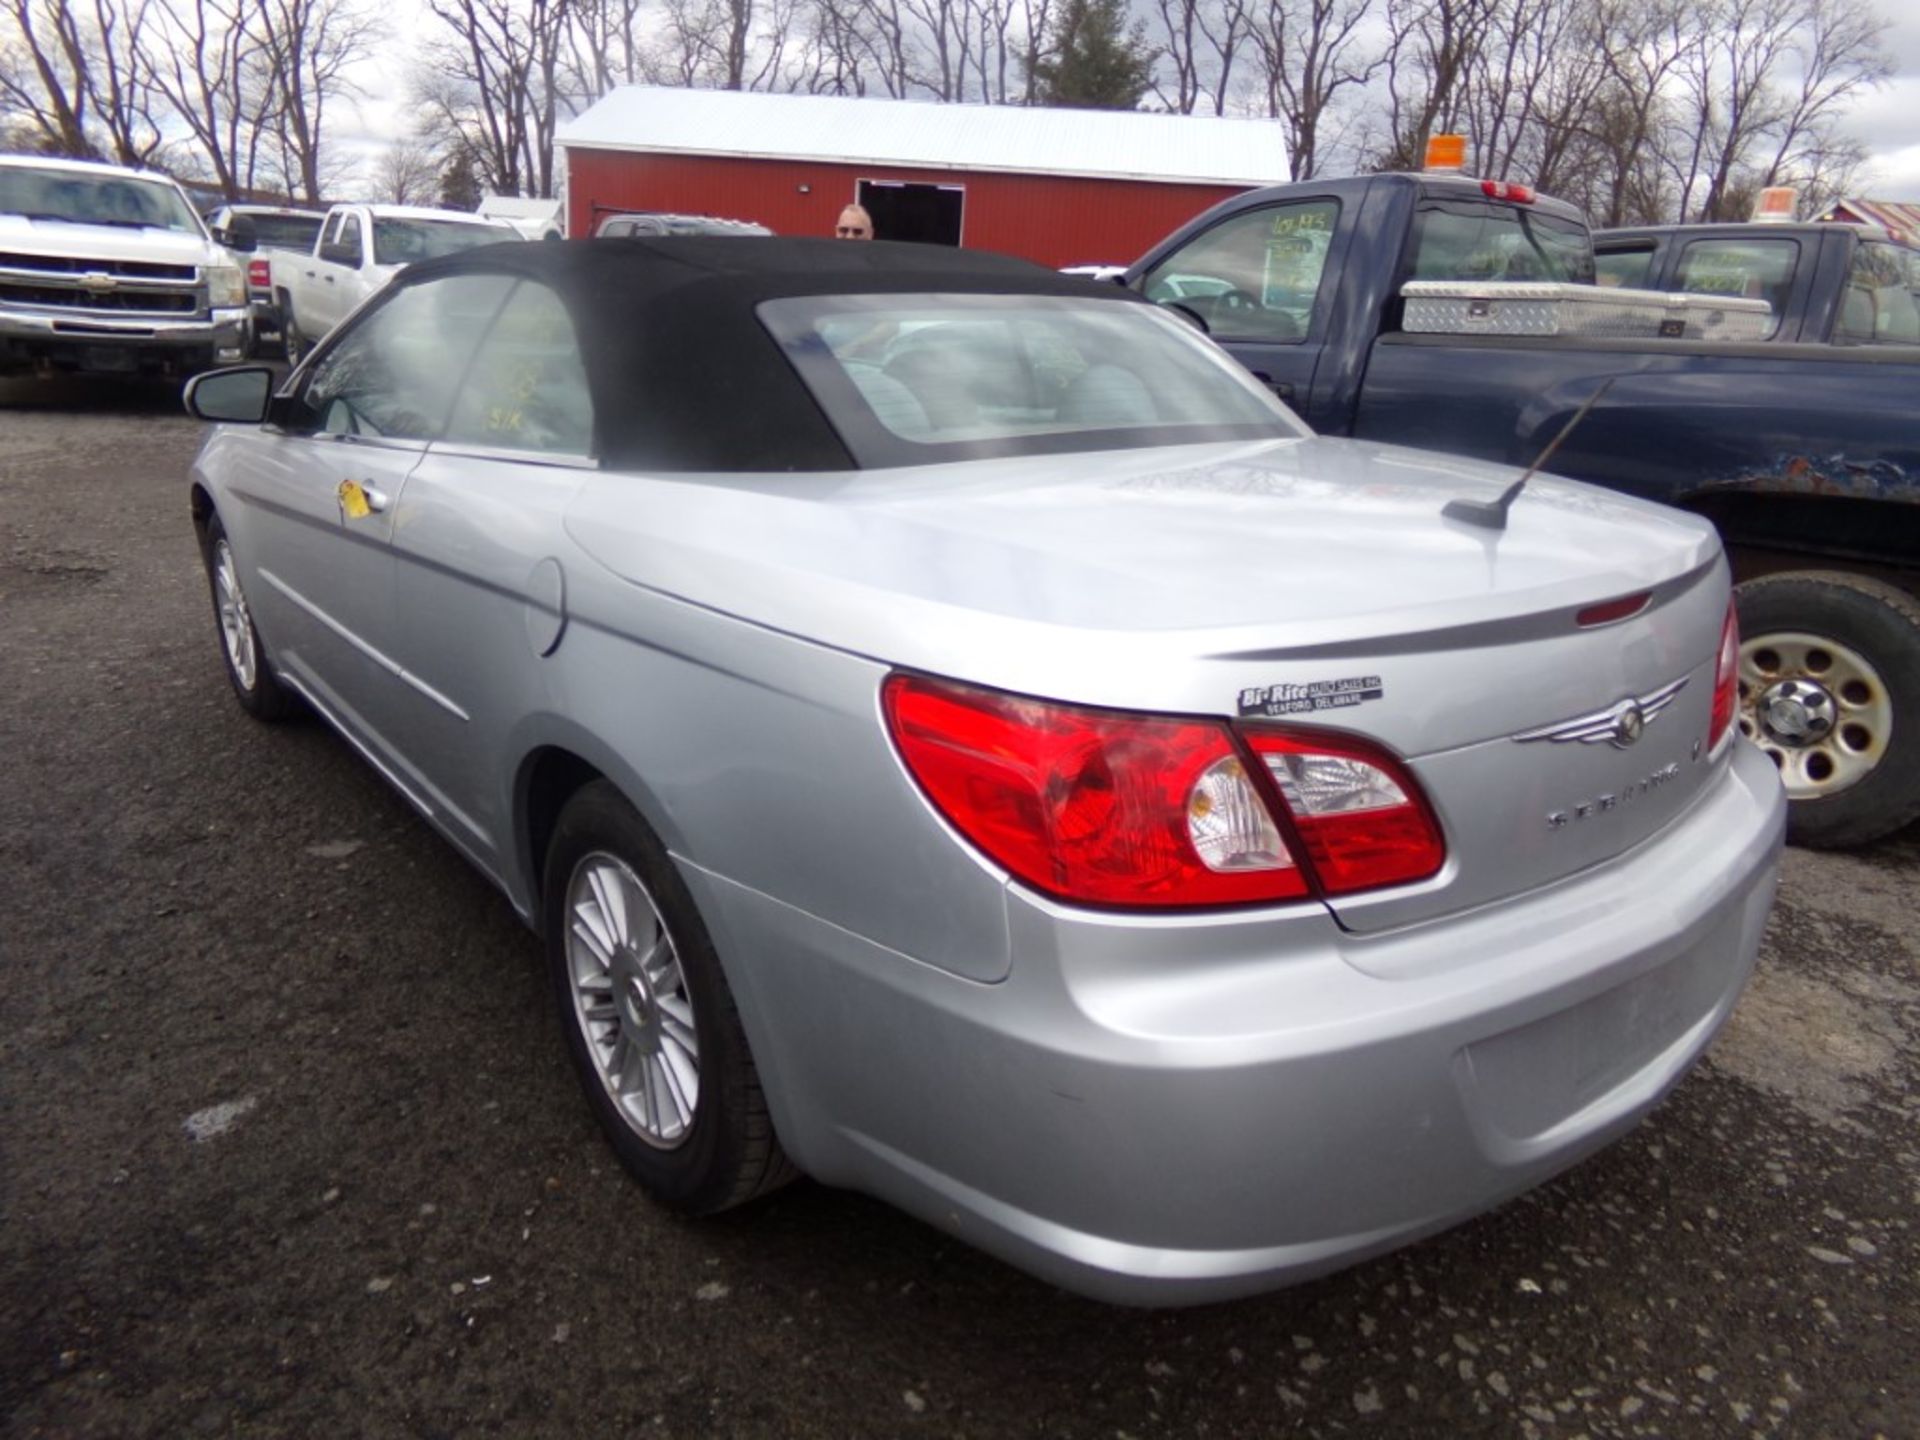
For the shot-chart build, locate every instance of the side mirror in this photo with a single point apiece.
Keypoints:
(239, 235)
(238, 395)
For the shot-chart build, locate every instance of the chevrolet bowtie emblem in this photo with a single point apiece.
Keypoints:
(99, 282)
(1620, 724)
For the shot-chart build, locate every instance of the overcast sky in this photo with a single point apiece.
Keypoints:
(1888, 120)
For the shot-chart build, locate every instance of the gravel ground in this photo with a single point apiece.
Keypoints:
(289, 1147)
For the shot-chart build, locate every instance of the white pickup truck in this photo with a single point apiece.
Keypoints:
(109, 270)
(361, 248)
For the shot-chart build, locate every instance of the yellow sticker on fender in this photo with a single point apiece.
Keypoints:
(353, 500)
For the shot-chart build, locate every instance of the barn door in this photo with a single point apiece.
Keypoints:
(929, 214)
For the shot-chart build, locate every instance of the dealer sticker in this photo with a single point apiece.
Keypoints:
(1315, 695)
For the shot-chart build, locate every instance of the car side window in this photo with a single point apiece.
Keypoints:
(1623, 269)
(392, 375)
(351, 246)
(1881, 304)
(1254, 276)
(527, 386)
(1750, 269)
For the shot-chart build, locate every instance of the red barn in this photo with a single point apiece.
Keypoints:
(1061, 187)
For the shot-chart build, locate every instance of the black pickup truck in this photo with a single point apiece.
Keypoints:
(1803, 447)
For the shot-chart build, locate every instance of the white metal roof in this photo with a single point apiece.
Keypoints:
(924, 134)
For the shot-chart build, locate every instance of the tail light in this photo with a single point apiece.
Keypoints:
(260, 274)
(1093, 805)
(1359, 815)
(1113, 808)
(1726, 679)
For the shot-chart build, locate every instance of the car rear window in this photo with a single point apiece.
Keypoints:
(1463, 240)
(920, 379)
(287, 232)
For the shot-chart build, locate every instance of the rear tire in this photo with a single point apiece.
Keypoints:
(1830, 690)
(650, 1021)
(292, 340)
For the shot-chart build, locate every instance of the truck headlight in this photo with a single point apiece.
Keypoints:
(226, 287)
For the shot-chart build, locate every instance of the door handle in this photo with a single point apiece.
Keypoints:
(360, 498)
(1281, 388)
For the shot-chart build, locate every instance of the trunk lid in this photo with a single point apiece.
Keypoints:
(1307, 583)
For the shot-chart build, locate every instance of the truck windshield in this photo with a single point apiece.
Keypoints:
(80, 197)
(401, 242)
(922, 379)
(1467, 241)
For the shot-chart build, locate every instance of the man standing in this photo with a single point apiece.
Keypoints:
(854, 224)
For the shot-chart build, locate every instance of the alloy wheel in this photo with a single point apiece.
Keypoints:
(236, 623)
(631, 1001)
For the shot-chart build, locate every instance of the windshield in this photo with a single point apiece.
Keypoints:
(919, 379)
(401, 242)
(286, 232)
(1462, 240)
(81, 197)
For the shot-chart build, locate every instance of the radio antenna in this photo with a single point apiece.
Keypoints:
(1492, 514)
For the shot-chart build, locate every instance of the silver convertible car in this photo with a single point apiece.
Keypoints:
(960, 737)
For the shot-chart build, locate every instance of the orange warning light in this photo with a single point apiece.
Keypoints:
(1777, 203)
(1447, 152)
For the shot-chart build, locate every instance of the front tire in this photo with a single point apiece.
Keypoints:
(650, 1021)
(1830, 690)
(254, 685)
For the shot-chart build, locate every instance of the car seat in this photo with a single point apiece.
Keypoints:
(1105, 396)
(892, 403)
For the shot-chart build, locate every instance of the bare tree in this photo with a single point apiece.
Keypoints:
(45, 75)
(604, 47)
(1430, 47)
(73, 72)
(407, 173)
(1309, 52)
(209, 65)
(494, 79)
(1202, 41)
(309, 48)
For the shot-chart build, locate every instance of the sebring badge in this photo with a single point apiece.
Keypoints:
(1620, 724)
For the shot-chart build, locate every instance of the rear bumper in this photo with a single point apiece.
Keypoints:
(1167, 1111)
(114, 343)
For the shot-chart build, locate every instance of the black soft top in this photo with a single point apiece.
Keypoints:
(684, 376)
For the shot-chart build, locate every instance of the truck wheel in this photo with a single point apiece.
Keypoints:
(1830, 690)
(297, 345)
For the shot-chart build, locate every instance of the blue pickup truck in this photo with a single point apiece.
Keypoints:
(1802, 447)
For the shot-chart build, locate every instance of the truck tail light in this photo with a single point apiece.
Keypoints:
(1113, 808)
(1726, 678)
(260, 274)
(1360, 816)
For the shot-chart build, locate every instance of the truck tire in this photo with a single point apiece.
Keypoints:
(292, 339)
(1830, 690)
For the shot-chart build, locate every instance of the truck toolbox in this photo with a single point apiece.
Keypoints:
(1455, 307)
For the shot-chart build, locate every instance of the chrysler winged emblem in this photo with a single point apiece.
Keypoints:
(1620, 724)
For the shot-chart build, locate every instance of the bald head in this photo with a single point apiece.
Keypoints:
(854, 224)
